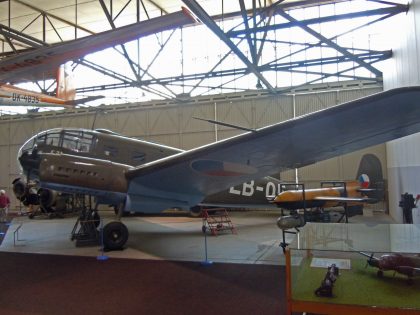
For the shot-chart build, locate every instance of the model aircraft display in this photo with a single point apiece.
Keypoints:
(182, 179)
(408, 265)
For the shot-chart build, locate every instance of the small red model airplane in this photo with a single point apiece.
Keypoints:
(403, 264)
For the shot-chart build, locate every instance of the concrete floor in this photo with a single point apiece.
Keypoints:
(164, 237)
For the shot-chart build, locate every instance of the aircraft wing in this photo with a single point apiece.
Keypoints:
(182, 180)
(34, 63)
(346, 199)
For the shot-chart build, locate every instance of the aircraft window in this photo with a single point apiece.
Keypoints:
(77, 141)
(41, 139)
(53, 139)
(28, 145)
(110, 151)
(138, 156)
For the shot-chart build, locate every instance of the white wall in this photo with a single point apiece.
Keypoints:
(403, 155)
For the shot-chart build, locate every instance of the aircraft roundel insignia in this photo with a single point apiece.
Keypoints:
(364, 181)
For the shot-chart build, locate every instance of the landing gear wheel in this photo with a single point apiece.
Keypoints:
(115, 235)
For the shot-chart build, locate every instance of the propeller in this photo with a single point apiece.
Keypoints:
(370, 260)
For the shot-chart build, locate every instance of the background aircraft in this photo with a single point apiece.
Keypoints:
(42, 63)
(184, 178)
(352, 193)
(403, 264)
(65, 94)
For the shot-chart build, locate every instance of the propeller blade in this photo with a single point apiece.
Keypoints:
(369, 261)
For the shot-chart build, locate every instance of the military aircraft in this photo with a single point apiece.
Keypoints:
(170, 178)
(403, 264)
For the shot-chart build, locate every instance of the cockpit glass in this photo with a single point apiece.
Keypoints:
(51, 139)
(77, 141)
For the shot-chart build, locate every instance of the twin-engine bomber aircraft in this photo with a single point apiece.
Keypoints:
(170, 178)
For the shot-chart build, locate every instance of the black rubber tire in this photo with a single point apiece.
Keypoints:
(115, 235)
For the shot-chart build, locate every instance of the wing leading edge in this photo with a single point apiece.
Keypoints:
(184, 179)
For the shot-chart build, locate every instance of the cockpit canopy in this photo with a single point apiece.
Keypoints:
(60, 140)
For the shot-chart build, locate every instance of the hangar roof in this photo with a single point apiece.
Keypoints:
(273, 45)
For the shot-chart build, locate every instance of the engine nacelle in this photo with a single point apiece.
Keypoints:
(19, 188)
(47, 197)
(26, 192)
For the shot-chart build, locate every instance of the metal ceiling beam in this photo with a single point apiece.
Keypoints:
(324, 19)
(111, 22)
(53, 16)
(21, 37)
(158, 6)
(104, 71)
(207, 20)
(296, 66)
(248, 33)
(332, 44)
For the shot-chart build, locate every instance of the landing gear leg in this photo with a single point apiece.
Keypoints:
(85, 230)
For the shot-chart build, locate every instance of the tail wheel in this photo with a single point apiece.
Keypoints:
(115, 235)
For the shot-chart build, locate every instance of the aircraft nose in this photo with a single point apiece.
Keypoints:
(30, 161)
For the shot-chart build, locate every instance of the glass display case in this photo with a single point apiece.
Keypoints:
(337, 268)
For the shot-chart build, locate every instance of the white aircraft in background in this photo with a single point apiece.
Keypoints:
(65, 95)
(43, 62)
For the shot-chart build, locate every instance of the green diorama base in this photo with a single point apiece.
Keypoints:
(357, 286)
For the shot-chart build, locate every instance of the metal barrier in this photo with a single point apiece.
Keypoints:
(16, 234)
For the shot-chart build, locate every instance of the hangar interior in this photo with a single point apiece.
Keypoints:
(336, 53)
(244, 63)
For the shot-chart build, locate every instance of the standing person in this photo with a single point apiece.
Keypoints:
(4, 205)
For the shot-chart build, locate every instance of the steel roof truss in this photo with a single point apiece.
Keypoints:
(208, 21)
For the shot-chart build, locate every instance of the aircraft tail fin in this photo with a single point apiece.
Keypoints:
(370, 175)
(65, 85)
